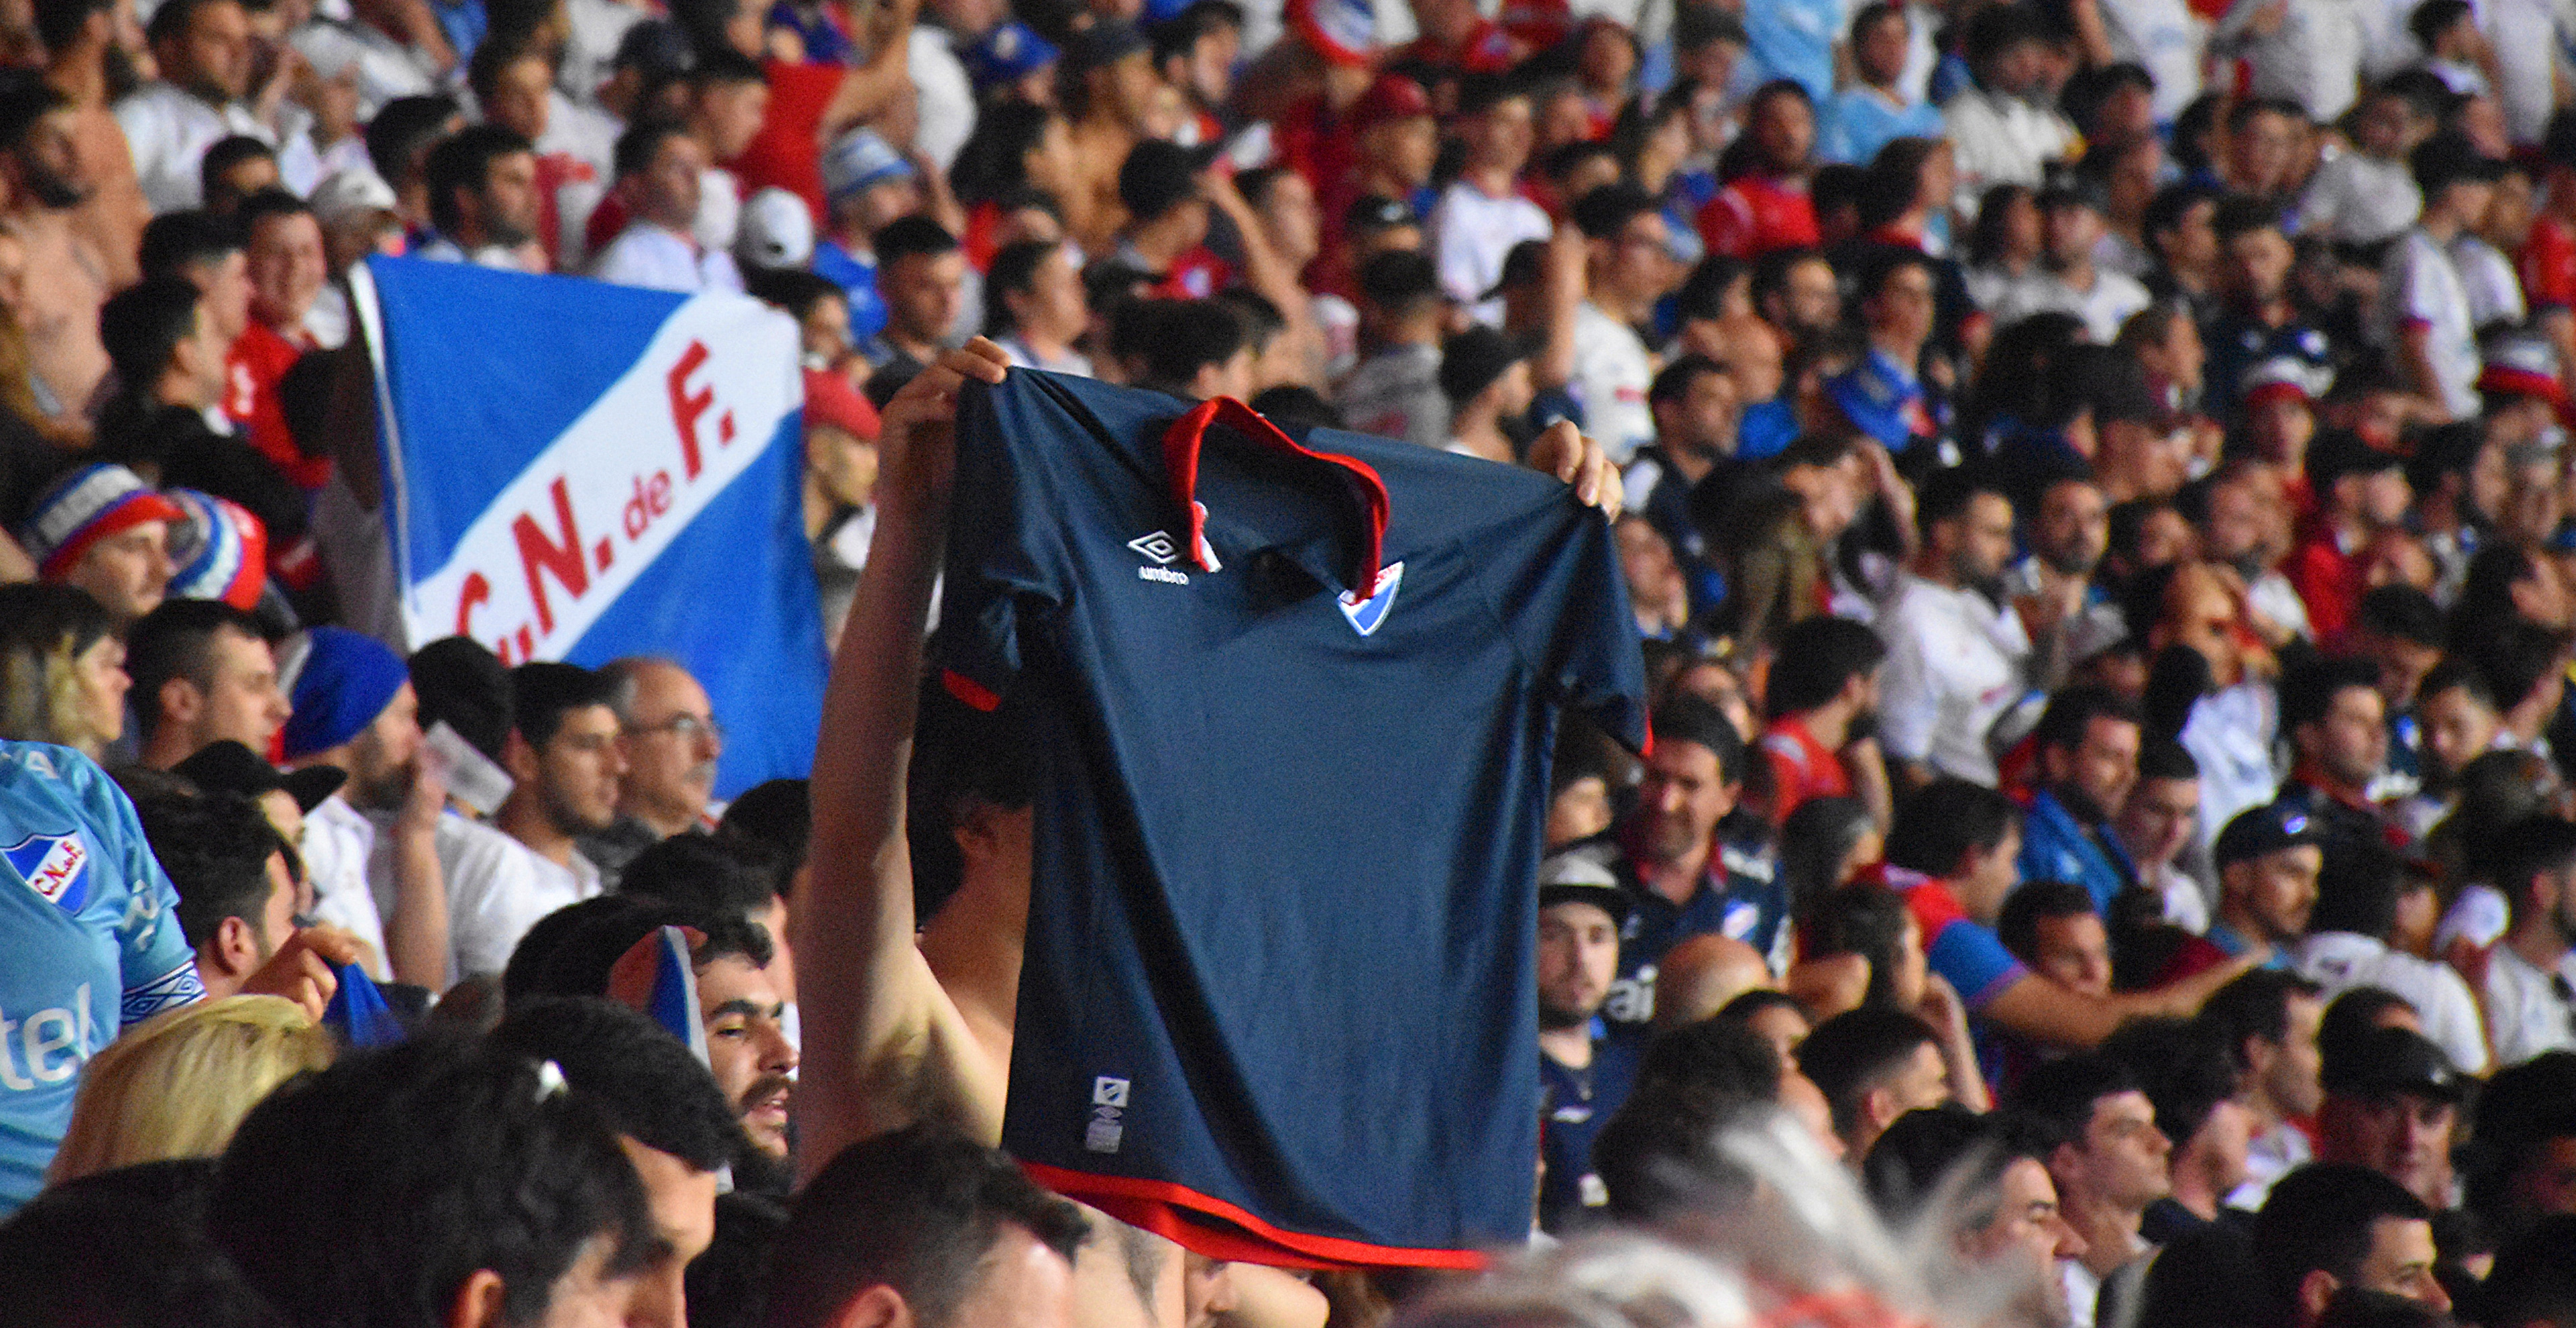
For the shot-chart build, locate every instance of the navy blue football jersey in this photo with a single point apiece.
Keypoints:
(1293, 703)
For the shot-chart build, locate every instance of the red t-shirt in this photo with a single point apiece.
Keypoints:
(2329, 584)
(2549, 263)
(1801, 767)
(1758, 214)
(554, 171)
(252, 371)
(788, 150)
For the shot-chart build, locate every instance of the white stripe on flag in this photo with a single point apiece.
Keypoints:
(561, 542)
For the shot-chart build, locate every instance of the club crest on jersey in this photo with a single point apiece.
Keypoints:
(55, 866)
(1367, 615)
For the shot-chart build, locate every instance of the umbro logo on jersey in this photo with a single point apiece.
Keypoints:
(1367, 615)
(54, 866)
(1157, 546)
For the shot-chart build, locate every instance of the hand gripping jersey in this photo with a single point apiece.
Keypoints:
(1293, 706)
(89, 944)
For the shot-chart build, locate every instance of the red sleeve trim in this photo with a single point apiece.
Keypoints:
(1178, 1213)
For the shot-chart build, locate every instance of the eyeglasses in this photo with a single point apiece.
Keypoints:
(686, 728)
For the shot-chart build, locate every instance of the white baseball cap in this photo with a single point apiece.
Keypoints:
(776, 231)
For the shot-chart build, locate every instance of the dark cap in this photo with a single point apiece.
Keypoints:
(459, 681)
(2450, 157)
(1525, 263)
(2265, 829)
(1578, 876)
(226, 766)
(1159, 176)
(1372, 213)
(2388, 1062)
(1106, 42)
(657, 48)
(1473, 359)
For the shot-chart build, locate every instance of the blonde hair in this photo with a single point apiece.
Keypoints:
(178, 1085)
(45, 628)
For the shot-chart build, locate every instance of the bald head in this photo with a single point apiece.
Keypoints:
(1700, 975)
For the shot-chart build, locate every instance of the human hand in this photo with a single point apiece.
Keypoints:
(916, 443)
(1565, 452)
(304, 970)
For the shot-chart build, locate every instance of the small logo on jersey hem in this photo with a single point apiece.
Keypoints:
(54, 866)
(1369, 614)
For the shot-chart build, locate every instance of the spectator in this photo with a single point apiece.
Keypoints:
(67, 276)
(1764, 206)
(178, 1086)
(234, 169)
(356, 710)
(2268, 1022)
(203, 50)
(1854, 124)
(484, 200)
(870, 187)
(62, 669)
(2338, 730)
(204, 672)
(2347, 947)
(669, 738)
(1479, 218)
(1034, 307)
(1629, 268)
(922, 279)
(238, 900)
(1167, 222)
(660, 173)
(1395, 390)
(2088, 741)
(1583, 1077)
(2191, 1080)
(2156, 824)
(2109, 1165)
(2070, 281)
(2327, 1227)
(730, 875)
(562, 757)
(102, 530)
(1874, 1066)
(325, 1185)
(2002, 137)
(1954, 661)
(2005, 1210)
(2052, 927)
(2426, 323)
(1823, 700)
(2526, 1008)
(2391, 1096)
(1485, 378)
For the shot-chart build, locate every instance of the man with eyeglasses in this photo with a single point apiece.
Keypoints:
(670, 738)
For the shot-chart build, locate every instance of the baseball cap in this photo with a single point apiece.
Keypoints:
(86, 506)
(1159, 176)
(1578, 876)
(220, 550)
(1371, 213)
(2265, 829)
(225, 766)
(776, 231)
(1106, 42)
(2284, 376)
(858, 159)
(657, 48)
(1391, 97)
(1874, 398)
(344, 194)
(1473, 359)
(2450, 157)
(1010, 52)
(831, 400)
(2386, 1062)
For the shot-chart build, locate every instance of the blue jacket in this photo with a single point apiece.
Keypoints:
(2054, 847)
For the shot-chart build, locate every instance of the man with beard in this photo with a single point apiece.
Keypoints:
(1583, 1075)
(562, 754)
(206, 54)
(355, 711)
(668, 733)
(1954, 657)
(483, 199)
(1691, 865)
(2528, 1006)
(2392, 1098)
(67, 278)
(2066, 616)
(2088, 760)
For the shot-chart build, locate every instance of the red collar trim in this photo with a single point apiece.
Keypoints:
(1181, 445)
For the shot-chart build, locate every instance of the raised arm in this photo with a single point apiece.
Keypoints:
(883, 1042)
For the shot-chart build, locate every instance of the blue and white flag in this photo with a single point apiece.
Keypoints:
(580, 471)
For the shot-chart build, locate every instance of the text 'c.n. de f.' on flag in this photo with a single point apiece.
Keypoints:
(580, 471)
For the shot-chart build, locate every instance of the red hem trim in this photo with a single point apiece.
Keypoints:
(1168, 1210)
(970, 691)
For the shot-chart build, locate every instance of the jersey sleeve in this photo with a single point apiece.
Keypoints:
(1974, 962)
(1553, 577)
(157, 968)
(1003, 548)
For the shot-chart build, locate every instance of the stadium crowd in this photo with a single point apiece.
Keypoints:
(2092, 478)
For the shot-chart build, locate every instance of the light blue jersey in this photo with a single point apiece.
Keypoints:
(1852, 126)
(89, 944)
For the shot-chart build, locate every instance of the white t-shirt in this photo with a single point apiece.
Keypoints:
(2418, 283)
(2103, 308)
(2230, 734)
(336, 845)
(1612, 372)
(2268, 1157)
(2167, 38)
(169, 130)
(2495, 292)
(945, 99)
(2340, 960)
(384, 68)
(2524, 1006)
(1472, 232)
(2360, 199)
(1954, 666)
(2313, 58)
(1997, 139)
(647, 255)
(497, 888)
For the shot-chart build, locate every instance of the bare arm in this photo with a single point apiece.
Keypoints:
(416, 934)
(2415, 361)
(1266, 270)
(2044, 1010)
(882, 1038)
(1553, 366)
(864, 91)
